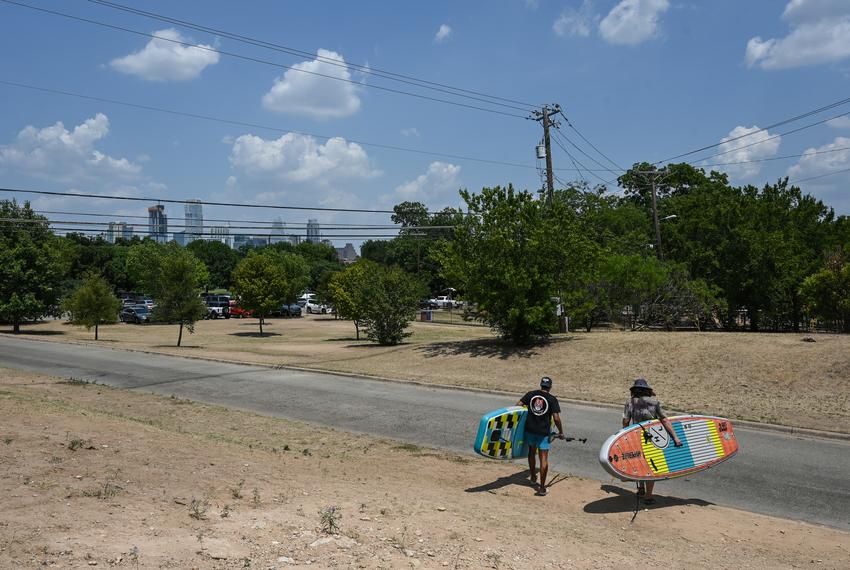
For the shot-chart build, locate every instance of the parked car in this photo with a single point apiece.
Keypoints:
(428, 304)
(128, 302)
(287, 310)
(304, 298)
(314, 307)
(218, 306)
(446, 302)
(138, 314)
(148, 302)
(238, 312)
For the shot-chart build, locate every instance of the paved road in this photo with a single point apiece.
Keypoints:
(776, 474)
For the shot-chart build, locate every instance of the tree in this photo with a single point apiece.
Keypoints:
(826, 294)
(409, 214)
(219, 259)
(393, 298)
(350, 293)
(173, 275)
(266, 279)
(33, 263)
(512, 255)
(93, 303)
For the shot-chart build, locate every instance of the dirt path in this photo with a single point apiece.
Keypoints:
(103, 477)
(773, 378)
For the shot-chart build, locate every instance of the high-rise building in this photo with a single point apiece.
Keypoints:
(222, 234)
(314, 234)
(278, 231)
(194, 214)
(118, 230)
(157, 223)
(347, 254)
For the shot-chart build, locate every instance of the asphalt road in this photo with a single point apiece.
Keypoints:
(776, 474)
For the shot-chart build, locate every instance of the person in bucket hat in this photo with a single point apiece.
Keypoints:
(643, 406)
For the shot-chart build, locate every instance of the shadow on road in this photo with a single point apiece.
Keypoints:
(520, 478)
(486, 347)
(623, 501)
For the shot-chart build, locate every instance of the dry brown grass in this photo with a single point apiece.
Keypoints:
(764, 377)
(174, 465)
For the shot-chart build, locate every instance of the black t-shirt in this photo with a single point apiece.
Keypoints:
(541, 406)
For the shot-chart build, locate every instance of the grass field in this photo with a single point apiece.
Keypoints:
(98, 477)
(775, 378)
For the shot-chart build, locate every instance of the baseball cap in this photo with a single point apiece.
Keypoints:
(545, 382)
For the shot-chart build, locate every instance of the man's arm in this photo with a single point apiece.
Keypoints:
(557, 418)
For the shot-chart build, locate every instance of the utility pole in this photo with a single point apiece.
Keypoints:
(658, 251)
(543, 117)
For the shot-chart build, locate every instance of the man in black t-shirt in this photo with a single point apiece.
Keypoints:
(543, 410)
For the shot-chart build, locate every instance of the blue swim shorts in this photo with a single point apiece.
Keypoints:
(537, 440)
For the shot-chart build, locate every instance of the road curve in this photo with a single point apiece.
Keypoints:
(776, 474)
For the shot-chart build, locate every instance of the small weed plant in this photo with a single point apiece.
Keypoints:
(329, 518)
(198, 509)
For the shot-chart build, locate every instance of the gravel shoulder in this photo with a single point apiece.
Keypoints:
(92, 475)
(762, 377)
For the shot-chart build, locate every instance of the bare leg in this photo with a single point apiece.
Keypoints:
(650, 485)
(544, 467)
(532, 452)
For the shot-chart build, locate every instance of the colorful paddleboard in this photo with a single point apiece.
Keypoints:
(501, 434)
(645, 451)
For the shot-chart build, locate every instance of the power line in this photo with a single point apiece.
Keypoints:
(582, 151)
(365, 69)
(261, 61)
(843, 170)
(772, 126)
(286, 228)
(770, 138)
(593, 146)
(256, 125)
(171, 201)
(574, 160)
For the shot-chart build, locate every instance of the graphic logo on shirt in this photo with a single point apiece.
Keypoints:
(538, 405)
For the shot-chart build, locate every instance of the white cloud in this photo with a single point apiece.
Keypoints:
(576, 22)
(164, 60)
(410, 132)
(55, 153)
(740, 150)
(820, 33)
(842, 122)
(443, 33)
(439, 178)
(632, 21)
(300, 93)
(822, 160)
(300, 158)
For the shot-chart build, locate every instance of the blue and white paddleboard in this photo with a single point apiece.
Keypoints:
(501, 434)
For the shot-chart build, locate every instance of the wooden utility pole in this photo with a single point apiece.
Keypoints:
(658, 251)
(544, 117)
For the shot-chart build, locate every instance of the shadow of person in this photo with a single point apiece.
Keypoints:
(623, 501)
(520, 478)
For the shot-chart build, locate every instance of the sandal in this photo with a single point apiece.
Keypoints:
(542, 491)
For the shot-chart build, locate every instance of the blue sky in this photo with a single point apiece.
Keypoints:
(641, 79)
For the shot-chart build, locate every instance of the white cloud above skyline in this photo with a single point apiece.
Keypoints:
(576, 22)
(632, 21)
(300, 93)
(439, 178)
(67, 156)
(819, 34)
(842, 122)
(443, 33)
(164, 60)
(301, 159)
(822, 160)
(743, 149)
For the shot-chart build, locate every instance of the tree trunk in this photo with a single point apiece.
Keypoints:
(16, 328)
(261, 326)
(95, 332)
(180, 336)
(357, 329)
